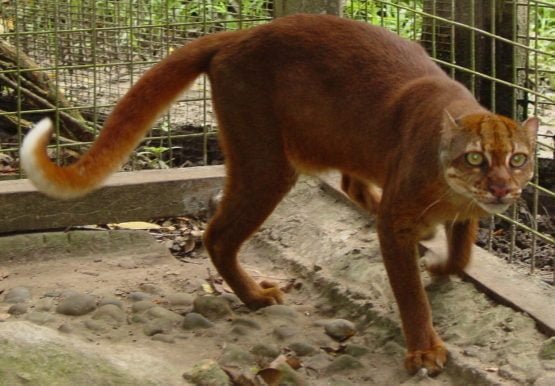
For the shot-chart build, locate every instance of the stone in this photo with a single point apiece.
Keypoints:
(547, 380)
(151, 289)
(340, 329)
(207, 373)
(302, 349)
(164, 338)
(158, 326)
(39, 317)
(95, 325)
(17, 295)
(245, 322)
(138, 296)
(212, 307)
(75, 305)
(285, 332)
(44, 304)
(279, 311)
(17, 309)
(110, 313)
(194, 321)
(141, 305)
(356, 350)
(343, 363)
(232, 299)
(268, 350)
(163, 313)
(547, 350)
(110, 300)
(180, 299)
(234, 355)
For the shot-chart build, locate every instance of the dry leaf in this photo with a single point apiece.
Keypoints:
(208, 288)
(271, 376)
(140, 225)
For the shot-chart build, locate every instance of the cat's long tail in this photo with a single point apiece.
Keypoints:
(128, 123)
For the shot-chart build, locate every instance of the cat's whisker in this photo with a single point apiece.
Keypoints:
(433, 204)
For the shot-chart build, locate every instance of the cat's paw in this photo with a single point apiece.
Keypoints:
(433, 360)
(439, 269)
(268, 294)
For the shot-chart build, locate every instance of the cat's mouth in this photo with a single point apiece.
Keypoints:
(494, 207)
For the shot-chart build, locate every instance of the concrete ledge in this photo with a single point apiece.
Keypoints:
(126, 196)
(490, 275)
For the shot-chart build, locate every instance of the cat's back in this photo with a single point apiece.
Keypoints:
(329, 43)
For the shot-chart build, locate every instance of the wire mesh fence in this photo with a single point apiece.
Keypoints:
(73, 59)
(504, 51)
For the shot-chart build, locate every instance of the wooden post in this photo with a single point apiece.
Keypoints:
(288, 7)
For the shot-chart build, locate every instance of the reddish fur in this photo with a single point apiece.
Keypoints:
(306, 93)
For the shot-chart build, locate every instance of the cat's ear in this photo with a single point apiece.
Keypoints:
(531, 126)
(449, 130)
(449, 121)
(449, 126)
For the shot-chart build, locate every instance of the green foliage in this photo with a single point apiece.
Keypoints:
(398, 16)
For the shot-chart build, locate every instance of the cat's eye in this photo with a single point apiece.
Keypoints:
(474, 158)
(518, 160)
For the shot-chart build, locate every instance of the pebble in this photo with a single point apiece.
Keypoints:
(235, 355)
(78, 304)
(164, 338)
(340, 329)
(139, 318)
(39, 317)
(141, 305)
(158, 326)
(180, 299)
(212, 307)
(240, 330)
(96, 325)
(245, 322)
(356, 350)
(151, 289)
(302, 349)
(138, 296)
(207, 373)
(279, 311)
(44, 304)
(163, 313)
(194, 321)
(110, 313)
(111, 300)
(285, 332)
(547, 350)
(65, 328)
(18, 309)
(343, 363)
(17, 295)
(268, 350)
(232, 299)
(547, 380)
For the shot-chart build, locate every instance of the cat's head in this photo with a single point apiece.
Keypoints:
(488, 158)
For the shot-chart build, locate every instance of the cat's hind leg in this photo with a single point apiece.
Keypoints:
(258, 177)
(364, 194)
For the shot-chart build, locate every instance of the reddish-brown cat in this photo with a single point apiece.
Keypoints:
(307, 93)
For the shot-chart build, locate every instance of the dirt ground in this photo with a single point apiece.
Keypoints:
(317, 246)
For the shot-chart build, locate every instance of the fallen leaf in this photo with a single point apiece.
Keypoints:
(139, 225)
(271, 376)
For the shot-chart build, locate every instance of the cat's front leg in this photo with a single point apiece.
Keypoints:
(460, 239)
(398, 239)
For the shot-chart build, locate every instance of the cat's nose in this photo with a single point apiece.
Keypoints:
(499, 191)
